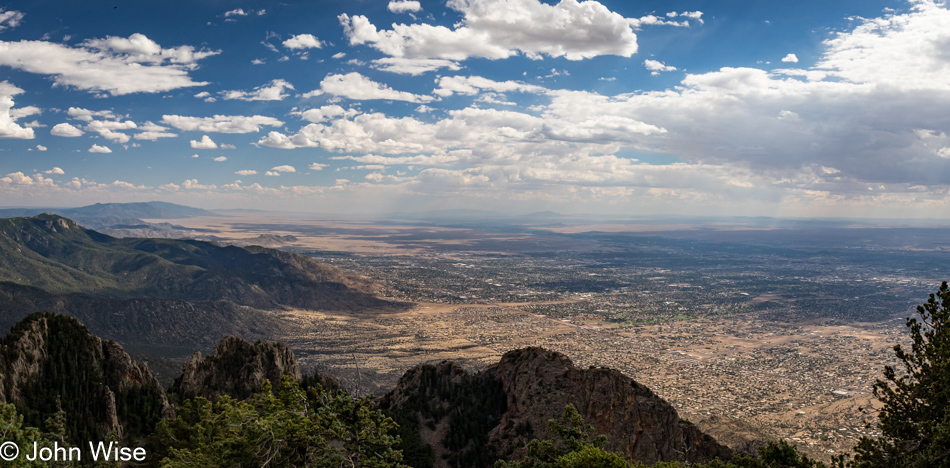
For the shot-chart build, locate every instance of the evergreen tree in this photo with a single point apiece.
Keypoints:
(12, 430)
(282, 429)
(574, 445)
(915, 419)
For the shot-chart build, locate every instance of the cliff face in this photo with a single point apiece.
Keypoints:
(50, 362)
(451, 411)
(236, 368)
(500, 409)
(637, 422)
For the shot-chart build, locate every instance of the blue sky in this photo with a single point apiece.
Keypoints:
(623, 107)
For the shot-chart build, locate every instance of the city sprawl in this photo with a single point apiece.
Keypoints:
(777, 332)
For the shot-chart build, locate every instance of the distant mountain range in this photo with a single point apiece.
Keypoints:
(125, 219)
(148, 210)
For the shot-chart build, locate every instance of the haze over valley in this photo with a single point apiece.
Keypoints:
(724, 211)
(752, 328)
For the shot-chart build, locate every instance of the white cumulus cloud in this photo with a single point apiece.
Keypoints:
(10, 19)
(656, 67)
(109, 129)
(356, 86)
(221, 123)
(303, 41)
(205, 143)
(324, 113)
(273, 91)
(498, 29)
(114, 65)
(792, 58)
(65, 130)
(152, 131)
(8, 115)
(99, 149)
(472, 85)
(404, 6)
(153, 136)
(413, 66)
(87, 115)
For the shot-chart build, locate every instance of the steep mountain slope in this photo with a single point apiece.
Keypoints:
(470, 420)
(59, 256)
(236, 368)
(145, 326)
(161, 295)
(48, 362)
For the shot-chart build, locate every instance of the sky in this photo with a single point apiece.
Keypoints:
(687, 107)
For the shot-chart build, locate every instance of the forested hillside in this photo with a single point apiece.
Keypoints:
(164, 297)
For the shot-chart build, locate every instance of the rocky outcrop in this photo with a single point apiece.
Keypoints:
(637, 422)
(50, 362)
(24, 356)
(451, 411)
(506, 405)
(236, 368)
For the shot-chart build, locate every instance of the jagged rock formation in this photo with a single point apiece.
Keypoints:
(446, 415)
(236, 368)
(497, 411)
(51, 361)
(539, 383)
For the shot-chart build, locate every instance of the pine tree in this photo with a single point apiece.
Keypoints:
(915, 419)
(278, 429)
(574, 445)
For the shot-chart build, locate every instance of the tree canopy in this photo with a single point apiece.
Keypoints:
(282, 429)
(915, 419)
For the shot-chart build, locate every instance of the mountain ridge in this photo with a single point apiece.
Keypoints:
(52, 363)
(492, 414)
(56, 254)
(165, 296)
(132, 210)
